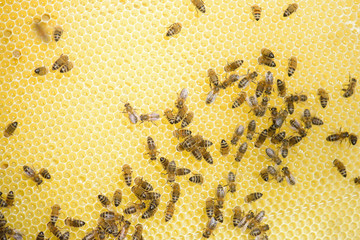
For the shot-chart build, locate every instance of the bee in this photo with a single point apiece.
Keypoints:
(117, 197)
(241, 151)
(290, 9)
(10, 199)
(316, 121)
(153, 207)
(353, 139)
(288, 176)
(180, 102)
(181, 114)
(181, 133)
(2, 204)
(175, 193)
(109, 227)
(10, 129)
(292, 66)
(169, 212)
(3, 222)
(296, 125)
(350, 90)
(151, 147)
(245, 221)
(212, 95)
(259, 230)
(206, 155)
(238, 215)
(260, 88)
(247, 78)
(124, 230)
(274, 157)
(197, 178)
(66, 67)
(199, 4)
(196, 152)
(182, 171)
(231, 182)
(187, 120)
(261, 139)
(58, 31)
(251, 130)
(171, 171)
(267, 53)
(12, 233)
(54, 230)
(188, 144)
(133, 116)
(281, 88)
(127, 174)
(31, 173)
(164, 162)
(290, 105)
(139, 192)
(45, 173)
(276, 174)
(340, 167)
(213, 78)
(290, 100)
(256, 12)
(239, 131)
(210, 227)
(357, 180)
(71, 222)
(224, 148)
(264, 174)
(151, 117)
(284, 149)
(324, 97)
(230, 67)
(173, 29)
(269, 81)
(169, 116)
(40, 236)
(257, 219)
(220, 196)
(266, 61)
(293, 140)
(41, 71)
(280, 119)
(104, 200)
(252, 197)
(337, 136)
(218, 215)
(209, 207)
(253, 103)
(134, 207)
(138, 232)
(152, 195)
(239, 100)
(230, 80)
(261, 110)
(61, 61)
(272, 130)
(306, 118)
(278, 138)
(142, 183)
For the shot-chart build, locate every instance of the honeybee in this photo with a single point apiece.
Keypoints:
(10, 199)
(259, 230)
(181, 133)
(238, 215)
(41, 30)
(188, 119)
(71, 222)
(196, 152)
(109, 227)
(316, 121)
(220, 195)
(66, 67)
(40, 236)
(3, 222)
(139, 192)
(293, 140)
(306, 118)
(127, 174)
(350, 90)
(169, 116)
(257, 219)
(197, 178)
(133, 116)
(253, 103)
(337, 136)
(288, 176)
(230, 80)
(134, 207)
(264, 174)
(253, 197)
(261, 109)
(357, 180)
(153, 207)
(164, 162)
(239, 131)
(272, 130)
(66, 236)
(180, 101)
(231, 182)
(188, 144)
(173, 29)
(230, 67)
(117, 197)
(169, 212)
(142, 183)
(296, 125)
(251, 130)
(12, 233)
(278, 138)
(138, 232)
(124, 230)
(206, 155)
(290, 105)
(152, 148)
(224, 148)
(245, 221)
(290, 9)
(353, 139)
(267, 53)
(284, 149)
(2, 204)
(213, 78)
(181, 114)
(340, 167)
(269, 81)
(150, 117)
(260, 88)
(61, 61)
(209, 207)
(239, 100)
(292, 66)
(182, 171)
(256, 12)
(274, 157)
(218, 215)
(324, 97)
(104, 200)
(247, 78)
(261, 139)
(54, 230)
(171, 171)
(41, 71)
(58, 31)
(10, 129)
(276, 174)
(199, 4)
(31, 173)
(281, 88)
(212, 95)
(280, 119)
(45, 173)
(241, 151)
(175, 193)
(210, 227)
(266, 61)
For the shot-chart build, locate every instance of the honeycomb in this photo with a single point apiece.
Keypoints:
(73, 123)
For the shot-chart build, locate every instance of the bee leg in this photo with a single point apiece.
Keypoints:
(153, 123)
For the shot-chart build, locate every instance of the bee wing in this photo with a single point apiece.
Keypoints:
(240, 130)
(211, 97)
(243, 229)
(291, 180)
(212, 223)
(252, 101)
(269, 77)
(133, 118)
(154, 116)
(30, 172)
(270, 152)
(296, 125)
(184, 93)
